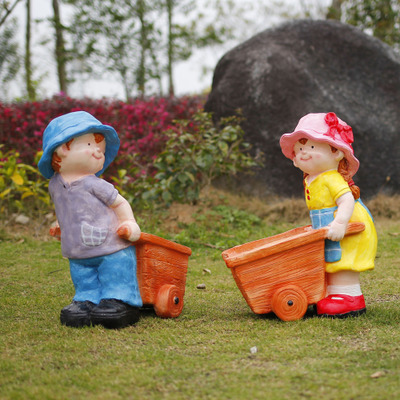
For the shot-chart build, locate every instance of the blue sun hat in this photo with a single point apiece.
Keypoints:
(62, 129)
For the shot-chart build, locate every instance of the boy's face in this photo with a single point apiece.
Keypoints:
(84, 157)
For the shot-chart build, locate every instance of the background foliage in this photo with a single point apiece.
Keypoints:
(140, 123)
(139, 45)
(195, 153)
(170, 149)
(21, 185)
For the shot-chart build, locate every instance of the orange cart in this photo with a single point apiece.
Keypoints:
(284, 273)
(161, 270)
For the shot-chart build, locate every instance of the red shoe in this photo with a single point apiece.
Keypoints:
(341, 306)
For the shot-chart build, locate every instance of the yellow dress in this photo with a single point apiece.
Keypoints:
(359, 250)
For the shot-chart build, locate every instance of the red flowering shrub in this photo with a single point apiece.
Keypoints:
(140, 123)
(169, 149)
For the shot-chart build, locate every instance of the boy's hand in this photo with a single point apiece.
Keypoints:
(129, 230)
(55, 231)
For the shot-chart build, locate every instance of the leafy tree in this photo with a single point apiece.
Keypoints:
(6, 9)
(335, 10)
(193, 32)
(117, 36)
(380, 17)
(142, 40)
(30, 87)
(9, 58)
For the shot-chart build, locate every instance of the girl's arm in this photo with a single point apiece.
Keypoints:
(128, 228)
(337, 228)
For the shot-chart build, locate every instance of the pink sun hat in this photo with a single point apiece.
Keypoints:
(321, 127)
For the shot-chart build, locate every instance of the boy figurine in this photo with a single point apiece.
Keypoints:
(95, 223)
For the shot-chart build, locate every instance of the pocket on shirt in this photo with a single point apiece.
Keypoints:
(93, 236)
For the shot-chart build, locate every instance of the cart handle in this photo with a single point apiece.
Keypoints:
(148, 238)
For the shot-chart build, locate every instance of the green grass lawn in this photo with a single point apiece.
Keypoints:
(205, 352)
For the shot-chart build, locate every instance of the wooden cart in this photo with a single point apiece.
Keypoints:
(161, 271)
(283, 273)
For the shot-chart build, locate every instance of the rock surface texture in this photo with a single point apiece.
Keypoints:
(307, 66)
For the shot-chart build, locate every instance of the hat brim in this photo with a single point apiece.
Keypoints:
(288, 140)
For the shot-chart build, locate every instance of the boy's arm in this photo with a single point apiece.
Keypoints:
(128, 228)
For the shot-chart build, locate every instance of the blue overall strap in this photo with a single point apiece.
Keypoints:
(319, 219)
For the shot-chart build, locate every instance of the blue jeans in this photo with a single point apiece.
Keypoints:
(112, 276)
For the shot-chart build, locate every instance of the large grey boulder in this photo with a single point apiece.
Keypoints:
(307, 66)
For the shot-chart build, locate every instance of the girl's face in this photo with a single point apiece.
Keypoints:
(314, 158)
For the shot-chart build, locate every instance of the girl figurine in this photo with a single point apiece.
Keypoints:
(321, 147)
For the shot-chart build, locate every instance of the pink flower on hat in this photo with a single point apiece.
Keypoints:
(336, 128)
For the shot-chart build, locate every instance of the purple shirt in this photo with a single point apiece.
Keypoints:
(88, 224)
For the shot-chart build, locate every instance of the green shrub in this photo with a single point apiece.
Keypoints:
(21, 186)
(196, 152)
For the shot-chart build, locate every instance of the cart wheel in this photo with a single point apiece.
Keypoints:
(169, 302)
(289, 303)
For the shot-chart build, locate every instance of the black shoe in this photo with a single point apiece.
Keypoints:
(114, 314)
(77, 314)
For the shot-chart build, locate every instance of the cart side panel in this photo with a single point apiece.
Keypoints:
(303, 266)
(158, 266)
(265, 247)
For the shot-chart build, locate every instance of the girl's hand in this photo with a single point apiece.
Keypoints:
(337, 228)
(129, 230)
(336, 231)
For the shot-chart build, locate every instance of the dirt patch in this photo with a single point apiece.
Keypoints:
(178, 215)
(37, 228)
(183, 213)
(294, 210)
(385, 206)
(271, 210)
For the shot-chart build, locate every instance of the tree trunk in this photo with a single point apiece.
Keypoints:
(30, 89)
(385, 27)
(60, 53)
(141, 75)
(171, 88)
(335, 10)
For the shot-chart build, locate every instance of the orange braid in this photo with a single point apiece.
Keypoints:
(343, 170)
